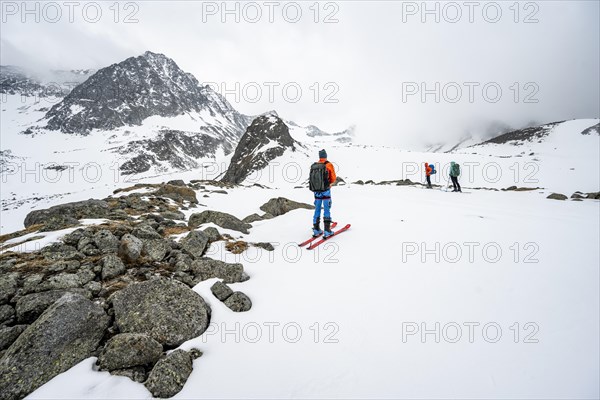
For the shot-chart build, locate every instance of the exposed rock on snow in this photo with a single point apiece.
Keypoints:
(280, 205)
(65, 334)
(221, 290)
(267, 138)
(167, 311)
(129, 350)
(224, 220)
(206, 268)
(557, 196)
(238, 302)
(169, 374)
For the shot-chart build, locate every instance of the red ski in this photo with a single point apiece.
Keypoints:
(333, 225)
(315, 244)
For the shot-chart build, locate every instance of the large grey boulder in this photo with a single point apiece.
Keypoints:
(31, 306)
(129, 350)
(65, 334)
(169, 375)
(106, 241)
(167, 311)
(280, 205)
(69, 211)
(221, 219)
(112, 266)
(194, 243)
(130, 248)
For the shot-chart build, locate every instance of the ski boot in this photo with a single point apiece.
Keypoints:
(328, 232)
(317, 229)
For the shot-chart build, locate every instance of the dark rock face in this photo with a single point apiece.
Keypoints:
(169, 375)
(178, 149)
(522, 135)
(65, 334)
(129, 350)
(76, 210)
(281, 205)
(221, 219)
(592, 130)
(266, 131)
(132, 90)
(167, 311)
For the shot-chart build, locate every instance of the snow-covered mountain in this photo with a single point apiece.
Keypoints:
(137, 88)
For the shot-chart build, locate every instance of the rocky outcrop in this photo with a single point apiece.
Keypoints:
(167, 311)
(267, 138)
(65, 334)
(224, 220)
(68, 212)
(281, 205)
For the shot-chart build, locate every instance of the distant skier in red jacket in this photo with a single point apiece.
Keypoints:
(428, 173)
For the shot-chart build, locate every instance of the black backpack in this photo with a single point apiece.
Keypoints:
(318, 180)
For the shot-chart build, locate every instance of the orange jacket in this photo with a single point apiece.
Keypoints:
(330, 169)
(428, 170)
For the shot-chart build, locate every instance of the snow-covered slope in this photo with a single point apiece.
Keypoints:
(350, 319)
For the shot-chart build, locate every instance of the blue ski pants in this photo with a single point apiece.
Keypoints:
(322, 200)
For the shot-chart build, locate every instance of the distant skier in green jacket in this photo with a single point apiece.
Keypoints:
(454, 174)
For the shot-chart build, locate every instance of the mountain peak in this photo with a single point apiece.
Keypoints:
(128, 92)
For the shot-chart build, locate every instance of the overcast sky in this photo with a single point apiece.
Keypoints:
(373, 58)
